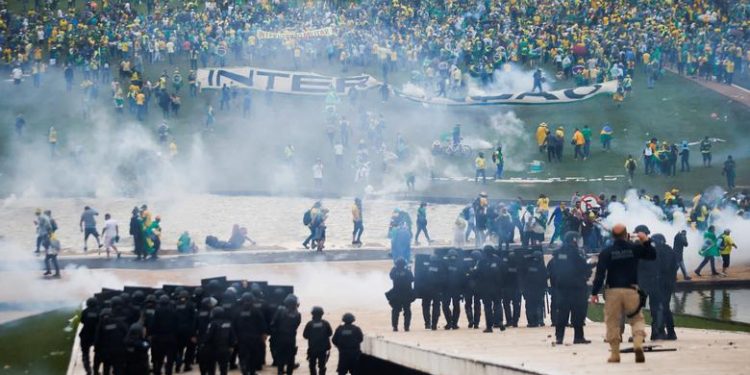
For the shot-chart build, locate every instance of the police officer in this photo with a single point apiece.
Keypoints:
(318, 334)
(649, 281)
(432, 292)
(534, 286)
(136, 351)
(284, 334)
(568, 275)
(455, 283)
(348, 339)
(488, 282)
(667, 270)
(218, 341)
(510, 289)
(202, 321)
(149, 308)
(260, 305)
(250, 329)
(185, 333)
(163, 335)
(89, 322)
(472, 301)
(401, 295)
(618, 270)
(231, 308)
(108, 342)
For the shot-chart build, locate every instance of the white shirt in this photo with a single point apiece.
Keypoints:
(338, 149)
(17, 73)
(318, 171)
(110, 228)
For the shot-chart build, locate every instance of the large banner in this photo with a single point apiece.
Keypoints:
(548, 97)
(296, 34)
(298, 83)
(307, 83)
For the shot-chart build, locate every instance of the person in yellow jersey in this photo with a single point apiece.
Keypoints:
(358, 222)
(578, 142)
(728, 70)
(726, 244)
(480, 163)
(541, 136)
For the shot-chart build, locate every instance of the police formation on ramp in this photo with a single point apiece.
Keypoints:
(219, 324)
(495, 282)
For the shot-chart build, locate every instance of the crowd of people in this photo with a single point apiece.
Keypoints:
(216, 326)
(441, 43)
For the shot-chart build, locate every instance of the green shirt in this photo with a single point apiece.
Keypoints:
(586, 134)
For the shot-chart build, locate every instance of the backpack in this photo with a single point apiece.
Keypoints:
(307, 218)
(53, 225)
(465, 213)
(631, 165)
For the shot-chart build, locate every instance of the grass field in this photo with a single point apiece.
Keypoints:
(37, 344)
(246, 153)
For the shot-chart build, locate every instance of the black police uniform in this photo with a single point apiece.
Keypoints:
(163, 335)
(89, 323)
(203, 318)
(218, 341)
(667, 270)
(649, 282)
(455, 284)
(534, 286)
(186, 327)
(489, 275)
(401, 295)
(284, 338)
(348, 338)
(568, 274)
(109, 344)
(250, 326)
(136, 351)
(432, 293)
(511, 292)
(318, 334)
(472, 299)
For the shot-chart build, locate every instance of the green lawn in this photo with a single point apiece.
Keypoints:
(37, 344)
(245, 154)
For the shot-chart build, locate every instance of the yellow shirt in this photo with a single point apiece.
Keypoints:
(579, 139)
(727, 244)
(480, 163)
(356, 213)
(541, 135)
(543, 203)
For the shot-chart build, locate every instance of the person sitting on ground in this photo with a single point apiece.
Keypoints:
(185, 244)
(236, 240)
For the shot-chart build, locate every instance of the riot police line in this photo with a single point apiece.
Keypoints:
(221, 324)
(493, 283)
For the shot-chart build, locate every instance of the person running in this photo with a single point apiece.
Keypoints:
(88, 226)
(726, 244)
(708, 251)
(630, 167)
(111, 234)
(422, 224)
(357, 220)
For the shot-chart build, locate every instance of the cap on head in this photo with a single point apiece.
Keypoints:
(642, 229)
(659, 239)
(91, 302)
(217, 313)
(571, 238)
(400, 262)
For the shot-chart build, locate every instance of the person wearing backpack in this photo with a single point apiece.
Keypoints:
(307, 220)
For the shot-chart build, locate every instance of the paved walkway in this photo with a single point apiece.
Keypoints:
(698, 351)
(736, 93)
